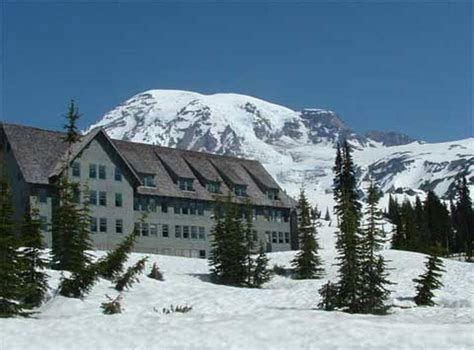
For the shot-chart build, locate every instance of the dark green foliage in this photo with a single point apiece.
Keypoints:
(155, 273)
(327, 217)
(463, 219)
(348, 241)
(281, 270)
(80, 283)
(33, 277)
(113, 306)
(328, 293)
(373, 294)
(229, 253)
(72, 132)
(393, 210)
(11, 286)
(131, 275)
(70, 229)
(112, 265)
(307, 263)
(260, 273)
(438, 223)
(179, 308)
(429, 281)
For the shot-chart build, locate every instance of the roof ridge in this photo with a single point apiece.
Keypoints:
(31, 127)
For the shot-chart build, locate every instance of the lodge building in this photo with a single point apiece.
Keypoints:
(177, 189)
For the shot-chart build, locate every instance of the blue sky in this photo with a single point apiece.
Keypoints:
(386, 66)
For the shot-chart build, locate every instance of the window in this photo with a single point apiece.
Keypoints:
(177, 231)
(102, 172)
(280, 237)
(200, 209)
(44, 223)
(103, 198)
(202, 233)
(118, 174)
(185, 231)
(274, 237)
(118, 200)
(164, 207)
(76, 195)
(287, 237)
(103, 225)
(136, 204)
(76, 169)
(184, 209)
(194, 232)
(149, 180)
(94, 225)
(153, 230)
(93, 171)
(119, 226)
(152, 205)
(267, 236)
(165, 230)
(145, 229)
(192, 208)
(136, 228)
(186, 184)
(202, 254)
(213, 187)
(93, 197)
(240, 190)
(272, 194)
(43, 195)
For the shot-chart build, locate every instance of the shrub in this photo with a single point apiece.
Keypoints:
(156, 273)
(179, 308)
(113, 306)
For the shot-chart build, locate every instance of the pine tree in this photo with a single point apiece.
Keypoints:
(229, 251)
(249, 242)
(429, 281)
(70, 223)
(438, 223)
(112, 265)
(393, 210)
(327, 217)
(348, 212)
(464, 218)
(307, 264)
(11, 286)
(373, 276)
(80, 283)
(33, 276)
(328, 294)
(130, 276)
(155, 273)
(261, 273)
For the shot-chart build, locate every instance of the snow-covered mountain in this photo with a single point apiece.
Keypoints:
(297, 147)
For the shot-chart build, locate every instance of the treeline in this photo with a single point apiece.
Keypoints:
(431, 227)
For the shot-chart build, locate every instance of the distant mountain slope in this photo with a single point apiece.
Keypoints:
(297, 147)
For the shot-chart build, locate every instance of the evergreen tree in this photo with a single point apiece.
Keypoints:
(80, 283)
(261, 273)
(11, 286)
(438, 223)
(112, 265)
(421, 227)
(70, 223)
(429, 281)
(347, 244)
(328, 294)
(393, 210)
(249, 242)
(229, 251)
(307, 264)
(464, 218)
(327, 217)
(156, 273)
(34, 279)
(130, 276)
(373, 276)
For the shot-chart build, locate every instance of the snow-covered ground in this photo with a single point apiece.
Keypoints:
(279, 316)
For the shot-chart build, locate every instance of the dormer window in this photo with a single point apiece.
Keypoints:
(148, 180)
(213, 187)
(240, 190)
(186, 184)
(272, 194)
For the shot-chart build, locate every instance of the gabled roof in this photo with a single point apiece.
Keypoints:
(40, 155)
